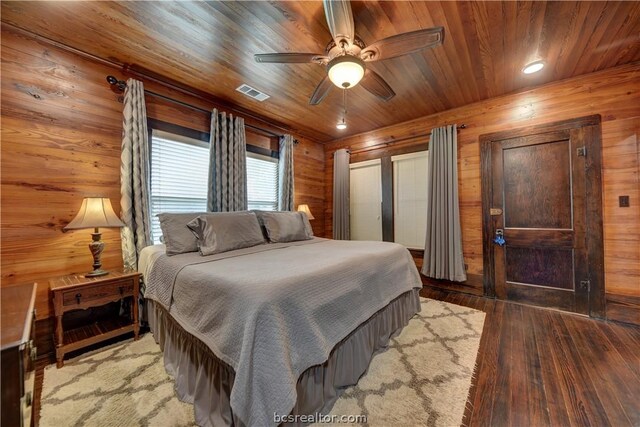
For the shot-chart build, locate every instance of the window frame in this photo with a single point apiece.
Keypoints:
(153, 124)
(166, 127)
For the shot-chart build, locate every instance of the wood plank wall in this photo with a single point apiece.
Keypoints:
(61, 135)
(613, 93)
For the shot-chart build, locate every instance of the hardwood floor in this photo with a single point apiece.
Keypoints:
(540, 367)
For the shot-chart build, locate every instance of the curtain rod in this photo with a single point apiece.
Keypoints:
(121, 85)
(388, 143)
(117, 65)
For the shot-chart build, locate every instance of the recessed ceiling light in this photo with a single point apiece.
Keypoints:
(533, 67)
(341, 125)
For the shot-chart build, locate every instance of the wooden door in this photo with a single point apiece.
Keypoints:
(542, 194)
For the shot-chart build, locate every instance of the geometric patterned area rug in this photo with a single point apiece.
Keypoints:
(123, 385)
(422, 378)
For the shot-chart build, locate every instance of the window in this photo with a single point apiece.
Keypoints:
(262, 182)
(410, 199)
(365, 200)
(179, 175)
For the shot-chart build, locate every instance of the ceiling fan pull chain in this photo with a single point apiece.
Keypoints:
(344, 101)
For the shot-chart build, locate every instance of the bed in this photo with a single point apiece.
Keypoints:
(278, 328)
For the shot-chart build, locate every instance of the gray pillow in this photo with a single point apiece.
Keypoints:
(307, 225)
(285, 226)
(177, 237)
(261, 222)
(225, 231)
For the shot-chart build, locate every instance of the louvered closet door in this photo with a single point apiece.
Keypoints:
(365, 200)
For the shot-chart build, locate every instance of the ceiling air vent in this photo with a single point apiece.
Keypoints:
(251, 92)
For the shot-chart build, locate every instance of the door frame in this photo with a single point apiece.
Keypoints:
(591, 125)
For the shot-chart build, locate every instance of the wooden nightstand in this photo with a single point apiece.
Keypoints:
(78, 292)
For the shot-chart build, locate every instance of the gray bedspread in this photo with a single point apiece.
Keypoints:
(273, 311)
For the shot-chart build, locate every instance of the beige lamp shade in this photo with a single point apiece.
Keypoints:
(305, 208)
(95, 212)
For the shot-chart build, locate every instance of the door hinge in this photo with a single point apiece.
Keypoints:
(582, 151)
(585, 284)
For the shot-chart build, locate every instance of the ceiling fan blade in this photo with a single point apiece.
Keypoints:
(321, 91)
(340, 20)
(403, 44)
(376, 85)
(289, 58)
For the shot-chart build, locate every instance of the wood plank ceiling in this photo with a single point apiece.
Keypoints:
(210, 46)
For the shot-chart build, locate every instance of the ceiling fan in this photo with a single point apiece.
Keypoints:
(346, 55)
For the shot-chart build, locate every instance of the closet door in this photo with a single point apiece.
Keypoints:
(410, 199)
(365, 204)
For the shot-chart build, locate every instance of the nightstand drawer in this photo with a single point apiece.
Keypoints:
(107, 292)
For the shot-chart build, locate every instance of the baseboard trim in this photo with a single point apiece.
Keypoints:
(473, 284)
(623, 308)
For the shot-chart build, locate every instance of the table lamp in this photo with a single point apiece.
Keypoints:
(305, 208)
(95, 212)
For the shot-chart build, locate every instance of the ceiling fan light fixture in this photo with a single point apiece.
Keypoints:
(346, 71)
(533, 67)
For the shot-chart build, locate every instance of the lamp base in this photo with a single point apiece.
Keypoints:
(96, 273)
(96, 247)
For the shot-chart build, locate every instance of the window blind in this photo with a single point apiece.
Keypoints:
(365, 200)
(410, 199)
(179, 175)
(262, 182)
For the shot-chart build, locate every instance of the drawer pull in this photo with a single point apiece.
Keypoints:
(78, 296)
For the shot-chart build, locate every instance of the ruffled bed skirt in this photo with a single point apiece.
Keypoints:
(206, 381)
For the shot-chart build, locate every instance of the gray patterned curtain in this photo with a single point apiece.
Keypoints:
(134, 175)
(443, 247)
(285, 174)
(227, 164)
(341, 194)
